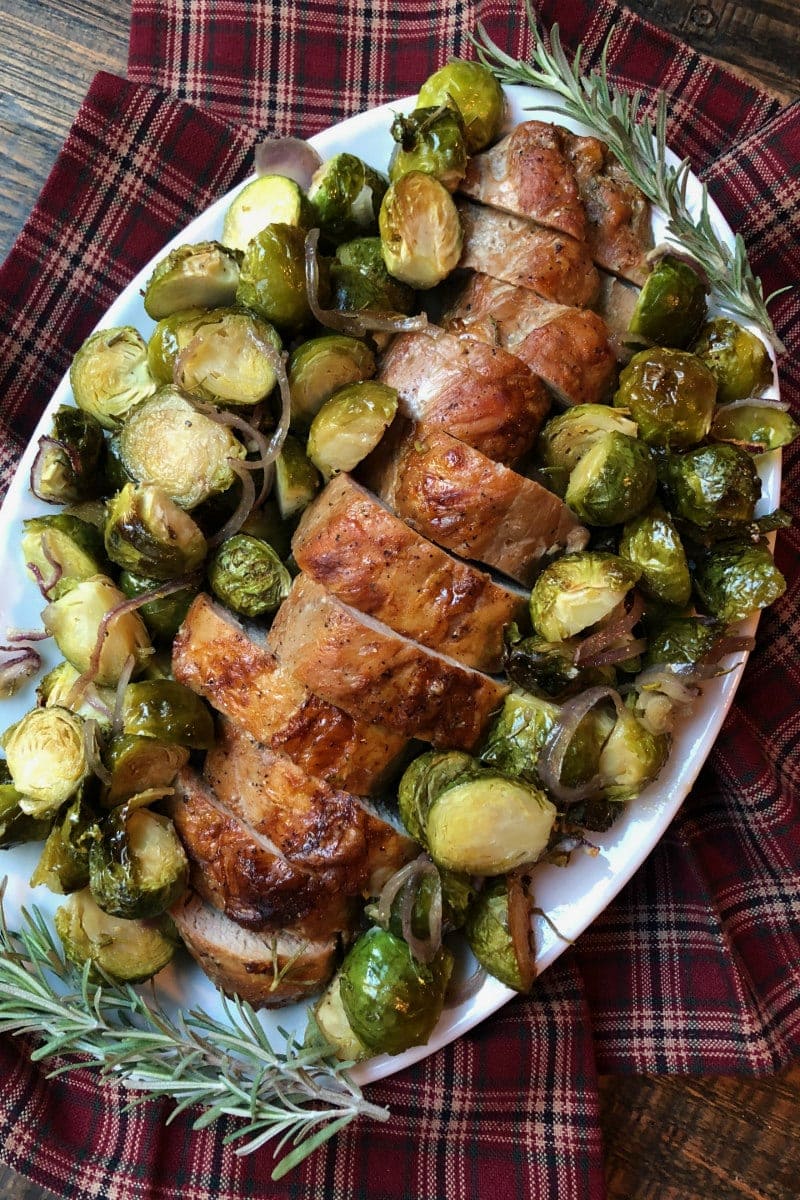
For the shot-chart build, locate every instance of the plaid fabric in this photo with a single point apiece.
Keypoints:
(695, 966)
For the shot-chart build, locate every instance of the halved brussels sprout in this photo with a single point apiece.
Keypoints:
(430, 140)
(164, 616)
(421, 234)
(578, 590)
(272, 280)
(391, 1001)
(55, 690)
(672, 304)
(64, 863)
(518, 734)
(653, 544)
(267, 200)
(472, 89)
(423, 780)
(93, 512)
(67, 467)
(46, 756)
(138, 867)
(349, 426)
(147, 533)
(321, 366)
(677, 640)
(631, 758)
(140, 764)
(345, 195)
(247, 575)
(74, 620)
(227, 361)
(332, 1023)
(670, 394)
(167, 711)
(566, 438)
(548, 668)
(200, 276)
(737, 359)
(127, 951)
(60, 546)
(297, 480)
(168, 442)
(109, 375)
(735, 579)
(489, 938)
(16, 826)
(755, 427)
(359, 280)
(613, 481)
(171, 335)
(715, 487)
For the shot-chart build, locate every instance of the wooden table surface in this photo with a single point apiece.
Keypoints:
(667, 1138)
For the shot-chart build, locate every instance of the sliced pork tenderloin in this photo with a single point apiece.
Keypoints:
(620, 230)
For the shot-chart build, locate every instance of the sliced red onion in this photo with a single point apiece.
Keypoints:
(124, 680)
(92, 752)
(289, 156)
(551, 760)
(406, 883)
(23, 663)
(618, 624)
(467, 989)
(243, 509)
(754, 402)
(519, 925)
(662, 678)
(45, 586)
(607, 658)
(27, 635)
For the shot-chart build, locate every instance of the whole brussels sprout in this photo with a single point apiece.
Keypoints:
(46, 756)
(613, 481)
(715, 487)
(473, 90)
(421, 234)
(200, 276)
(230, 359)
(321, 366)
(148, 533)
(548, 668)
(247, 575)
(755, 427)
(489, 938)
(345, 195)
(64, 863)
(680, 640)
(652, 543)
(164, 616)
(578, 590)
(64, 544)
(566, 438)
(74, 620)
(172, 335)
(391, 1001)
(423, 780)
(737, 359)
(518, 734)
(267, 200)
(127, 951)
(631, 758)
(670, 394)
(272, 279)
(137, 867)
(67, 467)
(349, 426)
(167, 711)
(430, 140)
(109, 375)
(672, 304)
(735, 579)
(359, 280)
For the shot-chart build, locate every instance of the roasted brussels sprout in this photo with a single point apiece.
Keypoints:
(321, 366)
(430, 140)
(653, 544)
(473, 90)
(489, 937)
(737, 359)
(59, 546)
(578, 590)
(613, 481)
(680, 640)
(631, 758)
(345, 195)
(16, 826)
(715, 487)
(359, 280)
(147, 533)
(737, 578)
(46, 756)
(230, 359)
(127, 951)
(755, 427)
(421, 233)
(297, 480)
(272, 280)
(267, 524)
(247, 575)
(138, 867)
(168, 442)
(200, 276)
(164, 616)
(391, 1001)
(331, 1022)
(566, 438)
(670, 395)
(548, 668)
(55, 690)
(167, 711)
(64, 863)
(75, 618)
(267, 200)
(93, 512)
(520, 730)
(109, 375)
(672, 304)
(172, 335)
(423, 780)
(67, 467)
(140, 764)
(349, 426)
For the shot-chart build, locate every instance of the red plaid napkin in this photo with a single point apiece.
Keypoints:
(694, 968)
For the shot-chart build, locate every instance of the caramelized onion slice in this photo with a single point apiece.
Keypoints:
(520, 927)
(289, 156)
(551, 760)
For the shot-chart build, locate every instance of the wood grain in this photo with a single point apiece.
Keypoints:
(666, 1138)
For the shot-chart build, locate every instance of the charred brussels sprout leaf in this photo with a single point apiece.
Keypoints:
(345, 196)
(67, 467)
(566, 438)
(391, 1001)
(74, 620)
(548, 668)
(167, 711)
(46, 756)
(164, 616)
(140, 764)
(736, 358)
(200, 276)
(578, 590)
(489, 938)
(137, 868)
(755, 427)
(430, 140)
(272, 280)
(359, 280)
(128, 951)
(147, 533)
(109, 375)
(613, 481)
(714, 487)
(735, 579)
(671, 305)
(422, 782)
(321, 366)
(518, 734)
(631, 758)
(230, 359)
(420, 228)
(679, 640)
(653, 544)
(247, 575)
(473, 90)
(268, 200)
(297, 480)
(349, 426)
(64, 864)
(670, 395)
(60, 546)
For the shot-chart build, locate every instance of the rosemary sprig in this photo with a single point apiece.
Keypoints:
(298, 1094)
(640, 144)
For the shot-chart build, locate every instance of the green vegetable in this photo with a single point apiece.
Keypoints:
(345, 195)
(247, 575)
(267, 524)
(64, 863)
(737, 359)
(55, 690)
(631, 758)
(46, 757)
(74, 620)
(676, 640)
(331, 1021)
(297, 480)
(566, 438)
(578, 590)
(670, 395)
(321, 366)
(489, 938)
(230, 359)
(164, 616)
(423, 780)
(349, 426)
(359, 280)
(430, 140)
(421, 233)
(109, 375)
(548, 668)
(137, 868)
(170, 337)
(735, 579)
(672, 304)
(473, 90)
(147, 533)
(140, 764)
(200, 276)
(267, 200)
(651, 542)
(518, 733)
(16, 826)
(613, 481)
(128, 951)
(167, 711)
(715, 487)
(68, 465)
(272, 280)
(61, 543)
(755, 427)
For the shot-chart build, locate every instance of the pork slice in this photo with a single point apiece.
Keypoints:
(351, 544)
(477, 508)
(479, 393)
(616, 304)
(529, 173)
(567, 347)
(315, 827)
(265, 970)
(243, 679)
(366, 668)
(513, 249)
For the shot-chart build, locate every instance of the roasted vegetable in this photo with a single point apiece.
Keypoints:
(517, 735)
(487, 932)
(109, 375)
(230, 359)
(349, 426)
(170, 337)
(736, 358)
(613, 481)
(670, 395)
(631, 758)
(297, 480)
(420, 231)
(345, 195)
(672, 304)
(272, 280)
(651, 542)
(60, 546)
(16, 826)
(267, 200)
(680, 640)
(756, 427)
(46, 757)
(566, 438)
(359, 280)
(548, 668)
(64, 863)
(67, 467)
(321, 366)
(737, 578)
(267, 524)
(147, 533)
(200, 276)
(715, 487)
(473, 90)
(165, 615)
(75, 618)
(137, 868)
(246, 574)
(140, 764)
(331, 1021)
(430, 140)
(578, 590)
(423, 780)
(127, 951)
(167, 711)
(56, 690)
